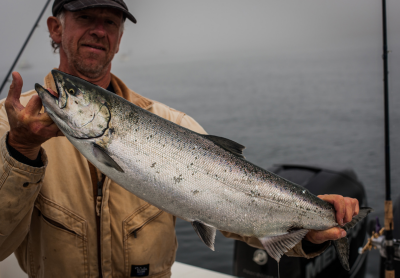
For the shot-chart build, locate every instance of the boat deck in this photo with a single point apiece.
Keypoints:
(9, 268)
(181, 270)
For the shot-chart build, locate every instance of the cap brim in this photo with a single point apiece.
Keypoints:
(82, 4)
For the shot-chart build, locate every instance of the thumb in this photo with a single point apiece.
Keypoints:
(15, 91)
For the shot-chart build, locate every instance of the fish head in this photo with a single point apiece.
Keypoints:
(80, 110)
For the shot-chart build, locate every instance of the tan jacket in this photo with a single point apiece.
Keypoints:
(49, 221)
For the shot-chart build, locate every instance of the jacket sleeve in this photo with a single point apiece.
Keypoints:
(191, 124)
(19, 186)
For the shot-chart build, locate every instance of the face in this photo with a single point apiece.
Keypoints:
(90, 39)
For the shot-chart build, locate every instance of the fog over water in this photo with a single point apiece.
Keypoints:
(180, 30)
(293, 81)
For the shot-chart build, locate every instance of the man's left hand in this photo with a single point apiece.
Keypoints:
(345, 208)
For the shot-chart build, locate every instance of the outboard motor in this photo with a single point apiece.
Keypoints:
(251, 262)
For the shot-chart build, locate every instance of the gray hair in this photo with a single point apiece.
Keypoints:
(61, 17)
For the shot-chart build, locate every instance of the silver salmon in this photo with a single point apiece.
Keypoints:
(203, 179)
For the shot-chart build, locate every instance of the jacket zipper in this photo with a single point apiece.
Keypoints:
(99, 198)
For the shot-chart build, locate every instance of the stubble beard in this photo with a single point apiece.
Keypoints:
(89, 69)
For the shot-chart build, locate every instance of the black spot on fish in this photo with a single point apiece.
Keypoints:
(178, 179)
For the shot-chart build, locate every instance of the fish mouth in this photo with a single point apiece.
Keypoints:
(49, 96)
(84, 117)
(45, 94)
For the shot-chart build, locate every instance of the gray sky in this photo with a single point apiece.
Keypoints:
(194, 29)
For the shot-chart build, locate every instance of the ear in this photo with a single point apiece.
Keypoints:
(55, 28)
(119, 41)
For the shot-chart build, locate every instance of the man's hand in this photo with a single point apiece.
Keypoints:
(345, 208)
(29, 128)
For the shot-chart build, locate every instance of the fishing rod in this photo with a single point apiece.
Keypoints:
(389, 265)
(23, 47)
(383, 240)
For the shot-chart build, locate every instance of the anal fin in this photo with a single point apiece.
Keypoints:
(276, 246)
(206, 233)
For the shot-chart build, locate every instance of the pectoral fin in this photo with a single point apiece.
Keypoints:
(102, 156)
(276, 246)
(206, 233)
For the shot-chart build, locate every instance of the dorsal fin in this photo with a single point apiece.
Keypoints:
(227, 144)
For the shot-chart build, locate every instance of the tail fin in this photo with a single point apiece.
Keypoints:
(342, 249)
(342, 245)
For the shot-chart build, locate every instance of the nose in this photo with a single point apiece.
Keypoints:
(98, 29)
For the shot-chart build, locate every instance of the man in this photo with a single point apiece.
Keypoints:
(61, 216)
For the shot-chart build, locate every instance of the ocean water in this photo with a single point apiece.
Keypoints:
(324, 109)
(320, 109)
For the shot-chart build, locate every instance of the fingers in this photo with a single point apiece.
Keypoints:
(352, 209)
(14, 92)
(33, 109)
(357, 205)
(318, 237)
(340, 206)
(45, 119)
(345, 207)
(34, 105)
(59, 133)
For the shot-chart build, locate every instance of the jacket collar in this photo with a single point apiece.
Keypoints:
(120, 89)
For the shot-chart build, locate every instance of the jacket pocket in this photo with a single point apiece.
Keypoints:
(57, 242)
(149, 239)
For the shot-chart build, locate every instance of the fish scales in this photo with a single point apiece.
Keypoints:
(207, 176)
(202, 179)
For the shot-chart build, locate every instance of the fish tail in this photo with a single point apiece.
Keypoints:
(342, 245)
(342, 249)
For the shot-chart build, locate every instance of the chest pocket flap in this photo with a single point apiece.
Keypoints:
(61, 216)
(140, 218)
